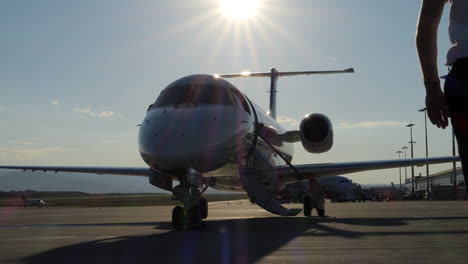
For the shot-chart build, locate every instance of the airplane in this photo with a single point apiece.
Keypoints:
(313, 196)
(332, 187)
(335, 185)
(204, 132)
(30, 202)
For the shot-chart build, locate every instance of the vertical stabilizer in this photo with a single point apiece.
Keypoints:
(274, 80)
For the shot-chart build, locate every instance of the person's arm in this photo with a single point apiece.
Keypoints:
(426, 43)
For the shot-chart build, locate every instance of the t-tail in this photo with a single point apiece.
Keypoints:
(274, 75)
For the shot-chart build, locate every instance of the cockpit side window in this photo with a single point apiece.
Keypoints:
(240, 100)
(149, 107)
(195, 94)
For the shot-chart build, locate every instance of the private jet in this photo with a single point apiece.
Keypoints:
(31, 202)
(204, 132)
(329, 187)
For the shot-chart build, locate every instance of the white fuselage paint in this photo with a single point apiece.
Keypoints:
(213, 139)
(335, 185)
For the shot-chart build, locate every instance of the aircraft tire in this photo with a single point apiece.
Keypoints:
(307, 207)
(195, 216)
(203, 207)
(178, 218)
(321, 212)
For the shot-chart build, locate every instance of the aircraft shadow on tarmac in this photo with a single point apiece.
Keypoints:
(222, 241)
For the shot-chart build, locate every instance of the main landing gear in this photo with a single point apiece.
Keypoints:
(314, 199)
(194, 206)
(310, 203)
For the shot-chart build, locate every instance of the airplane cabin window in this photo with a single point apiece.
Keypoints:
(206, 94)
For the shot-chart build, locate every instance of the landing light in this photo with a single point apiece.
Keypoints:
(245, 73)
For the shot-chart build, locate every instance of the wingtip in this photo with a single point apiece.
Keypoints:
(350, 70)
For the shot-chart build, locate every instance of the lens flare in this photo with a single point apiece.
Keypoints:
(240, 9)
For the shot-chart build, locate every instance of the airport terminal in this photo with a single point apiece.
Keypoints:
(444, 185)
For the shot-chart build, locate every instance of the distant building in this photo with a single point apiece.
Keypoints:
(440, 178)
(441, 185)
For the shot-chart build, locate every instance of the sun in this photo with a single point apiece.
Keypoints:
(240, 9)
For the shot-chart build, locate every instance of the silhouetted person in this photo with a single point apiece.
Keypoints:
(454, 102)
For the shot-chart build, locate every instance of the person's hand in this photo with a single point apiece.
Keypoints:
(436, 106)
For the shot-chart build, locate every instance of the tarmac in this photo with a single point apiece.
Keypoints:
(370, 232)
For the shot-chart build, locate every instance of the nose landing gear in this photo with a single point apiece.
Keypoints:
(194, 206)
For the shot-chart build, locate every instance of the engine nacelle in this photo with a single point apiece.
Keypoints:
(316, 132)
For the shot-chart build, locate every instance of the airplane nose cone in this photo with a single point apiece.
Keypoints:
(203, 137)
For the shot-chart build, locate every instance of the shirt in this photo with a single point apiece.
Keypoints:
(458, 31)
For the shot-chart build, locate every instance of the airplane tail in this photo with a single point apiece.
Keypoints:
(23, 197)
(274, 74)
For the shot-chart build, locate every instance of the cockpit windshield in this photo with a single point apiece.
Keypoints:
(194, 94)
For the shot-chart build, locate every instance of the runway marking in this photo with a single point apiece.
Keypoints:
(74, 225)
(231, 217)
(56, 237)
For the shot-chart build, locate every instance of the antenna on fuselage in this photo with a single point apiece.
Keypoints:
(274, 74)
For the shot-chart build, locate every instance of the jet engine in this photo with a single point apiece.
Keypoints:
(316, 132)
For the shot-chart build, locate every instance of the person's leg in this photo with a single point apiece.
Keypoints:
(462, 149)
(456, 94)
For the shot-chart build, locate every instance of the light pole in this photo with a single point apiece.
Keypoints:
(411, 125)
(399, 157)
(427, 150)
(406, 171)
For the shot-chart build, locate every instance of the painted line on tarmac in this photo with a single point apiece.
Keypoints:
(55, 237)
(75, 225)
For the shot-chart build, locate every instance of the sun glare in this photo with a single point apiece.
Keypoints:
(240, 9)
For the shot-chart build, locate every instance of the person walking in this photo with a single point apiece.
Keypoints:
(453, 102)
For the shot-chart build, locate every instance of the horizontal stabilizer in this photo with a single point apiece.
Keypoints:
(279, 74)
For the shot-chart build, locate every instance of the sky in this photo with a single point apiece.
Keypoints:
(76, 77)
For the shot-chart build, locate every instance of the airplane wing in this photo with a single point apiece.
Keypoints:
(129, 171)
(303, 170)
(332, 169)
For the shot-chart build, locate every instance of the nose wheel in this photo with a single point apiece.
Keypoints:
(194, 207)
(178, 218)
(192, 218)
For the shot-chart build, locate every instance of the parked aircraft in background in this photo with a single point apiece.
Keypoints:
(204, 132)
(332, 187)
(336, 185)
(31, 202)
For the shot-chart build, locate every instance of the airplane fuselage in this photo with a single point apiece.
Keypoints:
(36, 203)
(205, 123)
